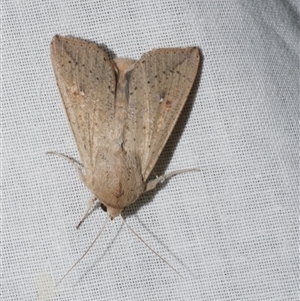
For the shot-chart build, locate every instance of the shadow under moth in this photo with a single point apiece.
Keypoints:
(121, 113)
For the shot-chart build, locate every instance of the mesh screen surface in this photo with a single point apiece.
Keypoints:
(230, 229)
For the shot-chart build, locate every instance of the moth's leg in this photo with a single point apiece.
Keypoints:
(90, 204)
(91, 201)
(152, 184)
(72, 161)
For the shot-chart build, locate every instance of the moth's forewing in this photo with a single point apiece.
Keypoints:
(86, 80)
(159, 85)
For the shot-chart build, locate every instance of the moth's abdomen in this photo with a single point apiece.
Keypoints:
(117, 180)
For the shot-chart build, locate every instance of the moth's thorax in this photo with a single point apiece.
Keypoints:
(123, 66)
(117, 180)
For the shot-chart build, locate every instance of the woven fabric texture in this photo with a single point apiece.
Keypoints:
(231, 229)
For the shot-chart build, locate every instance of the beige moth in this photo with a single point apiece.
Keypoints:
(121, 113)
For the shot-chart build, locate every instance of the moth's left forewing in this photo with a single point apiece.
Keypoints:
(86, 80)
(158, 87)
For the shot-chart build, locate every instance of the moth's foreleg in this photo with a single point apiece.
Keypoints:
(72, 161)
(152, 184)
(92, 200)
(90, 204)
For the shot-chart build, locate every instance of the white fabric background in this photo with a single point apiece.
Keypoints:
(230, 229)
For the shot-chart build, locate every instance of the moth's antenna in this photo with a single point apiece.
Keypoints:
(149, 246)
(107, 219)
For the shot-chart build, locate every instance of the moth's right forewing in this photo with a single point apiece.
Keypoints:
(87, 81)
(159, 85)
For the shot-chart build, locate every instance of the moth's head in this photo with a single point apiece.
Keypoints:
(112, 212)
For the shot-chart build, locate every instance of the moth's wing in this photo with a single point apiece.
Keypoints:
(159, 85)
(86, 80)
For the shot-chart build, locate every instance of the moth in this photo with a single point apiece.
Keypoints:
(121, 113)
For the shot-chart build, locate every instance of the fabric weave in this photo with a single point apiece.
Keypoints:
(231, 229)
